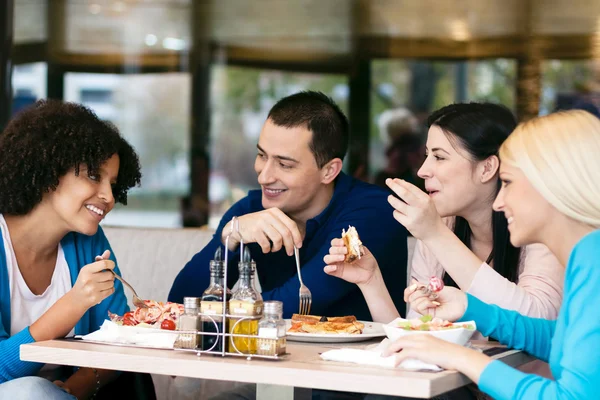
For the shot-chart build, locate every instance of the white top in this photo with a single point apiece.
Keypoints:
(26, 307)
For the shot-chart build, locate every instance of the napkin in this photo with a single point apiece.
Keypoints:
(110, 332)
(372, 356)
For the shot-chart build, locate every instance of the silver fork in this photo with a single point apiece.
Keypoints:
(305, 296)
(136, 299)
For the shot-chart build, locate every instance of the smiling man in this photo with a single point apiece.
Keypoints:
(305, 200)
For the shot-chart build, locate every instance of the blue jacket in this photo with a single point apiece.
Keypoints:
(571, 344)
(80, 250)
(354, 203)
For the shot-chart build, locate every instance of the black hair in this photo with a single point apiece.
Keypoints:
(480, 129)
(320, 115)
(45, 141)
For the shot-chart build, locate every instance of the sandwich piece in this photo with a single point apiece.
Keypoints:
(353, 244)
(332, 328)
(316, 318)
(325, 325)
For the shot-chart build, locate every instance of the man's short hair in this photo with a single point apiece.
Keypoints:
(320, 115)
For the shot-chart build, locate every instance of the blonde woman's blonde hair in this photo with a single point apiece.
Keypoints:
(560, 155)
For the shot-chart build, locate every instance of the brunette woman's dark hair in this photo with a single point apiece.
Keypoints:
(480, 129)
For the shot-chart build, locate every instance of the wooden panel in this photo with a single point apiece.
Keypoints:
(168, 61)
(29, 53)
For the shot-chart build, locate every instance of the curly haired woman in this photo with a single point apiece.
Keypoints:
(62, 169)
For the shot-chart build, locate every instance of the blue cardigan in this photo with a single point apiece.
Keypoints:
(570, 344)
(79, 251)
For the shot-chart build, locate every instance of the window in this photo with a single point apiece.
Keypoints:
(29, 84)
(103, 96)
(570, 83)
(152, 111)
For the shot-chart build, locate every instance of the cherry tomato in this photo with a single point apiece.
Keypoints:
(168, 324)
(128, 319)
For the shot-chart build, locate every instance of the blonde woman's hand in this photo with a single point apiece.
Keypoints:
(360, 271)
(429, 349)
(415, 209)
(450, 303)
(94, 283)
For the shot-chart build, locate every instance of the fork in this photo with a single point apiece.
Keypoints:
(136, 299)
(305, 296)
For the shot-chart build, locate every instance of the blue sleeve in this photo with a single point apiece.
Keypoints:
(11, 366)
(533, 335)
(378, 231)
(117, 302)
(577, 341)
(194, 278)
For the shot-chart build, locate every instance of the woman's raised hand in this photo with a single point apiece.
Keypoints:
(360, 271)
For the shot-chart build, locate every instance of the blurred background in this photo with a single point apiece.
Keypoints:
(189, 82)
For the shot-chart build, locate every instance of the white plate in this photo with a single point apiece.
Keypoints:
(372, 330)
(134, 336)
(459, 336)
(139, 346)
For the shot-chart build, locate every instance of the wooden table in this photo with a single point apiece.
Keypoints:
(303, 368)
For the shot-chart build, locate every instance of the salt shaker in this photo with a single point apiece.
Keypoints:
(271, 330)
(190, 324)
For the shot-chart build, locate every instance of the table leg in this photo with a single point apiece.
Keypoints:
(270, 392)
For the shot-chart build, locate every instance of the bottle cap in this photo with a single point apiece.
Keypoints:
(245, 265)
(273, 307)
(216, 265)
(191, 302)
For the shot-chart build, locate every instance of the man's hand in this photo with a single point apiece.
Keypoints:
(270, 228)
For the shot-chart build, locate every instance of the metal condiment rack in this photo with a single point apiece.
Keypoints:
(225, 337)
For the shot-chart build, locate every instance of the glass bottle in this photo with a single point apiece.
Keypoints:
(190, 323)
(211, 305)
(245, 302)
(271, 330)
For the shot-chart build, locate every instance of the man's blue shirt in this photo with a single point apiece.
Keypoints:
(355, 203)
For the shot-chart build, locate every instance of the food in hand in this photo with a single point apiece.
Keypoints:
(325, 325)
(158, 314)
(353, 244)
(427, 323)
(435, 284)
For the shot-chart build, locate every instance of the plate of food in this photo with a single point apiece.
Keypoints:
(455, 332)
(320, 329)
(156, 315)
(151, 327)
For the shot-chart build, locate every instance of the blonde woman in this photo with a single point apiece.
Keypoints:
(550, 194)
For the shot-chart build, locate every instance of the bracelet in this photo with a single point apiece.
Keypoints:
(97, 383)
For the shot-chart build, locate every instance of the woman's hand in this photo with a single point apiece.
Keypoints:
(94, 283)
(426, 348)
(416, 211)
(450, 303)
(436, 351)
(360, 271)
